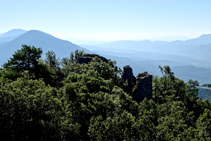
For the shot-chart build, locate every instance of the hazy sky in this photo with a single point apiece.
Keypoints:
(108, 19)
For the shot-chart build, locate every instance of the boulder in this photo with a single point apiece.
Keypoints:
(86, 58)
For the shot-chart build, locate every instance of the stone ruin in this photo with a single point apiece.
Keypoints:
(139, 87)
(86, 58)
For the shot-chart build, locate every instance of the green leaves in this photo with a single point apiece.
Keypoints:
(204, 125)
(28, 59)
(41, 101)
(29, 110)
(118, 127)
(51, 60)
(24, 59)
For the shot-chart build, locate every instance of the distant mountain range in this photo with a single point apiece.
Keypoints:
(11, 35)
(170, 38)
(35, 38)
(13, 32)
(173, 48)
(188, 59)
(84, 42)
(196, 73)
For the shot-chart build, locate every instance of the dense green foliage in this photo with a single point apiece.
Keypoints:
(40, 100)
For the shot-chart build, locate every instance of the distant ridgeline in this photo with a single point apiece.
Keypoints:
(139, 87)
(204, 93)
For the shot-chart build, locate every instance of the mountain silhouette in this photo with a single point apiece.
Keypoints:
(11, 35)
(182, 56)
(41, 39)
(188, 48)
(201, 40)
(13, 32)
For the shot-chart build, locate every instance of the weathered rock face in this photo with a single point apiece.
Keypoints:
(129, 77)
(139, 87)
(86, 58)
(143, 87)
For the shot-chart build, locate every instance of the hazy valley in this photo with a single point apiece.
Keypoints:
(188, 59)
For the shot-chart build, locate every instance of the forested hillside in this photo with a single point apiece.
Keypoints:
(43, 99)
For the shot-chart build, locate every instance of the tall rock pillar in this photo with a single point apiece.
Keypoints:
(143, 87)
(129, 78)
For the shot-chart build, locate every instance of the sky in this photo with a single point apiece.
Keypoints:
(107, 20)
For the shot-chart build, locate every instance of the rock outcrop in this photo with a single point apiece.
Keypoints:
(129, 78)
(86, 58)
(139, 87)
(143, 87)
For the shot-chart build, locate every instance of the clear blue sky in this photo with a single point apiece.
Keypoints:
(108, 19)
